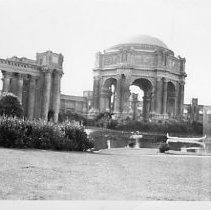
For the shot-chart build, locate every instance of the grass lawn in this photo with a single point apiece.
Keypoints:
(116, 174)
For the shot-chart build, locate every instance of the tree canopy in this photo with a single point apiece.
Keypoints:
(10, 105)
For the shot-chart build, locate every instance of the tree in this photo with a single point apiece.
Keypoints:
(70, 116)
(10, 105)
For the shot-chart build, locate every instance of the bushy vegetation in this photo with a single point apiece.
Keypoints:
(163, 147)
(104, 120)
(10, 105)
(71, 116)
(167, 127)
(17, 133)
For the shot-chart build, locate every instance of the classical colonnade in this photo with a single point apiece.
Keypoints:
(46, 84)
(163, 98)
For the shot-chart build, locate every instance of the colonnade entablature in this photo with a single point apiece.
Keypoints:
(140, 59)
(36, 83)
(153, 68)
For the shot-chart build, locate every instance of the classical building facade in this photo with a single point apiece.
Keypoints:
(148, 63)
(193, 112)
(73, 104)
(207, 121)
(77, 104)
(35, 82)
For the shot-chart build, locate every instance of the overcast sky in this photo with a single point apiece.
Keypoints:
(80, 28)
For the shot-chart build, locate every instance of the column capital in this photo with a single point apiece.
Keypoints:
(58, 73)
(33, 79)
(46, 69)
(159, 79)
(165, 80)
(182, 83)
(20, 76)
(118, 77)
(7, 74)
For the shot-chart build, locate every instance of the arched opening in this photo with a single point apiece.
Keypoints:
(50, 115)
(141, 90)
(108, 94)
(112, 97)
(136, 103)
(171, 99)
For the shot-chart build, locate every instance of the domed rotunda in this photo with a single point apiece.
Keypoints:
(142, 41)
(148, 63)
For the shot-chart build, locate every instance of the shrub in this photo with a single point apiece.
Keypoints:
(163, 147)
(105, 120)
(167, 127)
(103, 115)
(112, 124)
(89, 122)
(78, 137)
(18, 133)
(10, 105)
(71, 116)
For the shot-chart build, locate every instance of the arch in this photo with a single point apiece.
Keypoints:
(136, 102)
(109, 82)
(144, 70)
(143, 83)
(50, 115)
(107, 96)
(171, 89)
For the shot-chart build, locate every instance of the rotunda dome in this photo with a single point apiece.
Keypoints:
(141, 40)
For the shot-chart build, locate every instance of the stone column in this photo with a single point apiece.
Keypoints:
(176, 100)
(153, 101)
(158, 96)
(46, 94)
(31, 102)
(13, 84)
(96, 95)
(164, 102)
(6, 81)
(117, 105)
(181, 105)
(108, 100)
(125, 92)
(104, 101)
(56, 95)
(146, 107)
(105, 97)
(20, 87)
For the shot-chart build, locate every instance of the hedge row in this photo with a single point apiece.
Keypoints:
(174, 127)
(185, 128)
(18, 133)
